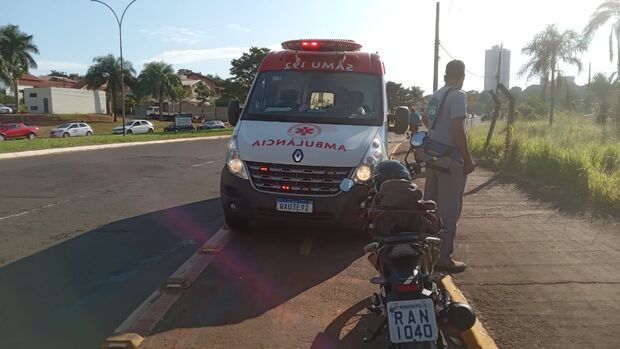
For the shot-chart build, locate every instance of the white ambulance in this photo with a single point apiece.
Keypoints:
(315, 119)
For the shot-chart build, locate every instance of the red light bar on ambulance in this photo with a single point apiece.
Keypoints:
(321, 45)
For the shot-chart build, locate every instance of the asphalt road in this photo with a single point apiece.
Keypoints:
(85, 237)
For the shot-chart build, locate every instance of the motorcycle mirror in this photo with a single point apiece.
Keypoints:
(418, 139)
(346, 185)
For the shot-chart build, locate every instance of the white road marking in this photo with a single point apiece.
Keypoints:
(35, 209)
(207, 163)
(15, 215)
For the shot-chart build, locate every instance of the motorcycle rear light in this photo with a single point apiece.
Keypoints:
(408, 288)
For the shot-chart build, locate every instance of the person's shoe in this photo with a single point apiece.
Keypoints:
(452, 267)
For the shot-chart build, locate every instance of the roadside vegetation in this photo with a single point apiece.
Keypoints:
(10, 146)
(576, 154)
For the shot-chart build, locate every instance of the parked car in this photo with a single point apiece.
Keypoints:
(172, 127)
(211, 125)
(17, 130)
(71, 129)
(5, 109)
(135, 127)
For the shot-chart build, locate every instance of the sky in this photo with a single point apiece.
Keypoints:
(204, 35)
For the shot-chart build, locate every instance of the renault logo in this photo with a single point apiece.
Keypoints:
(298, 155)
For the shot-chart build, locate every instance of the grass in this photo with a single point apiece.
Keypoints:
(575, 155)
(47, 143)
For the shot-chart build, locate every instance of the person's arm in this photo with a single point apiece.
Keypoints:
(459, 138)
(458, 117)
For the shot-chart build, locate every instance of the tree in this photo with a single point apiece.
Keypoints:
(106, 72)
(202, 92)
(547, 49)
(609, 11)
(243, 71)
(602, 88)
(58, 74)
(532, 107)
(181, 93)
(402, 96)
(159, 80)
(16, 50)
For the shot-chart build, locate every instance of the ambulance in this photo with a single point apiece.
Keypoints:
(314, 126)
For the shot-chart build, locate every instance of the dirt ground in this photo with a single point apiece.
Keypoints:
(538, 276)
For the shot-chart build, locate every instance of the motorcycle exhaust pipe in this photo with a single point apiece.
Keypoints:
(458, 316)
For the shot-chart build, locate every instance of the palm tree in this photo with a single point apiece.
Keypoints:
(16, 50)
(609, 11)
(181, 93)
(159, 79)
(202, 94)
(547, 49)
(106, 72)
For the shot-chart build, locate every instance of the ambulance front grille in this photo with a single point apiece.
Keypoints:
(298, 179)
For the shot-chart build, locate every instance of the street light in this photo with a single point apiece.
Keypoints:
(120, 41)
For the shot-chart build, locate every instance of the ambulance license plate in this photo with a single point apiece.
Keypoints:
(412, 321)
(289, 205)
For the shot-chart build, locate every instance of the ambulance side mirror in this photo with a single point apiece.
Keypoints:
(233, 112)
(399, 121)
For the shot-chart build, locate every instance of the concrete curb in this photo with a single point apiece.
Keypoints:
(29, 153)
(476, 337)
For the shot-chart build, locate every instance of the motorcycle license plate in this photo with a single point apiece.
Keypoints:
(412, 321)
(287, 205)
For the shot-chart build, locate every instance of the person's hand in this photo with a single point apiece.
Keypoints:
(468, 167)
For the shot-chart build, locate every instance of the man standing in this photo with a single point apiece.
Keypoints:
(445, 118)
(414, 121)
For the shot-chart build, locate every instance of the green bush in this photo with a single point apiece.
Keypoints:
(575, 154)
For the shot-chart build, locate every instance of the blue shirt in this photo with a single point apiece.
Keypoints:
(414, 118)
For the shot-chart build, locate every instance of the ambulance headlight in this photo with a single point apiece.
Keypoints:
(235, 165)
(363, 173)
(374, 155)
(233, 161)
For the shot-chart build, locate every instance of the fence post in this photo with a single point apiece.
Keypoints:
(510, 121)
(493, 120)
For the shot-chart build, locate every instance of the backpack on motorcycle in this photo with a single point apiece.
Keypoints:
(398, 207)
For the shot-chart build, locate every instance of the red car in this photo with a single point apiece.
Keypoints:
(17, 130)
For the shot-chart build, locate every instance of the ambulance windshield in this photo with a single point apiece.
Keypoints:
(318, 97)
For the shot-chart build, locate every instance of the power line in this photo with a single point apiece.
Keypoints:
(513, 77)
(449, 55)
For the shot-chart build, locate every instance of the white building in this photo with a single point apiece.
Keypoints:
(491, 60)
(58, 100)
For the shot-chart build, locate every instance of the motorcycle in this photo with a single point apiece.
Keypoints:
(416, 312)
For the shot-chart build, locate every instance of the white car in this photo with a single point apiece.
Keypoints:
(5, 110)
(135, 127)
(71, 129)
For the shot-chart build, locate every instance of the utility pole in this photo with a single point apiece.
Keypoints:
(436, 57)
(120, 43)
(589, 74)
